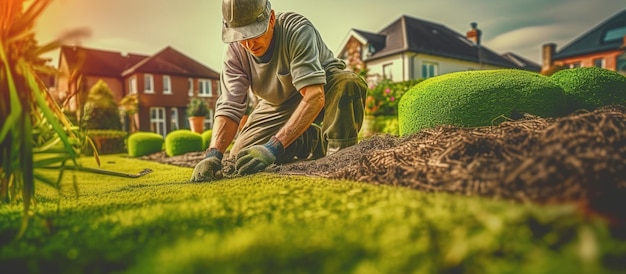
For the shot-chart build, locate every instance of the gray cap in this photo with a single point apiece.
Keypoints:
(244, 19)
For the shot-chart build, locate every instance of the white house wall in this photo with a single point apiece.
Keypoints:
(408, 66)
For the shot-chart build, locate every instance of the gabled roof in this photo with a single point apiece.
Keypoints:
(115, 64)
(376, 40)
(99, 62)
(408, 34)
(595, 40)
(172, 62)
(522, 62)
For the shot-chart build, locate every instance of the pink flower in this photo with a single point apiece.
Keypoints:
(387, 91)
(392, 99)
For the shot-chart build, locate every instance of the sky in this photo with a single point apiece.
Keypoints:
(193, 27)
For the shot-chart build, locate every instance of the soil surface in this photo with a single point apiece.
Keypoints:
(580, 158)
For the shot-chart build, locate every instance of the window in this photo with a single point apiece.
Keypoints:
(599, 62)
(205, 88)
(614, 34)
(190, 87)
(148, 83)
(575, 65)
(167, 84)
(174, 119)
(132, 82)
(387, 71)
(157, 120)
(429, 70)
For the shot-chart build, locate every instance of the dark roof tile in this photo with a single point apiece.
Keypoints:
(593, 40)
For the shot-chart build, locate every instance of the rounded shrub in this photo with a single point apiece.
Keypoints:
(144, 143)
(591, 87)
(478, 98)
(181, 141)
(206, 139)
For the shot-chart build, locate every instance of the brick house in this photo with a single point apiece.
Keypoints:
(163, 83)
(411, 48)
(602, 46)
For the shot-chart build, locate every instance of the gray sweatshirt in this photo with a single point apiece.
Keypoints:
(300, 58)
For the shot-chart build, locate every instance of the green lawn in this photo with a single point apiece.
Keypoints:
(268, 223)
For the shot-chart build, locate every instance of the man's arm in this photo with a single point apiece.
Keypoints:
(306, 112)
(224, 131)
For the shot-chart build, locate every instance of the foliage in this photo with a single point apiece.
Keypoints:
(129, 105)
(206, 138)
(144, 143)
(290, 224)
(479, 98)
(591, 87)
(197, 107)
(379, 125)
(106, 141)
(100, 110)
(181, 141)
(35, 133)
(383, 98)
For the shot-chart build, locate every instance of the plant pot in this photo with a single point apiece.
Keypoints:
(196, 123)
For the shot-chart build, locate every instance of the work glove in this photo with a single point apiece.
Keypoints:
(257, 158)
(209, 169)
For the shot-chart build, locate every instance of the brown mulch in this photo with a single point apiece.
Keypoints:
(580, 158)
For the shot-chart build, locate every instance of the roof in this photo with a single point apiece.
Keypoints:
(115, 64)
(408, 34)
(522, 62)
(594, 40)
(172, 62)
(99, 62)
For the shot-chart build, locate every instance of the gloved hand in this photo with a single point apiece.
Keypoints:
(209, 169)
(257, 158)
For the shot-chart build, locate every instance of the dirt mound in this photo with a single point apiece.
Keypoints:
(579, 158)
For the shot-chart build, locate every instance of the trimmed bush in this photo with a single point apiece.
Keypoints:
(181, 141)
(478, 98)
(591, 87)
(206, 139)
(144, 143)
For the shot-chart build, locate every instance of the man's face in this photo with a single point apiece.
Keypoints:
(258, 46)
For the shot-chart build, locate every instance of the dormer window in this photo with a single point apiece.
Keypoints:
(614, 34)
(367, 50)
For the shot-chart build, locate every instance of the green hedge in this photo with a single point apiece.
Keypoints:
(106, 141)
(206, 139)
(181, 141)
(478, 98)
(591, 87)
(144, 143)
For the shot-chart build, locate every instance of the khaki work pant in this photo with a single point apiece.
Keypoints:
(340, 120)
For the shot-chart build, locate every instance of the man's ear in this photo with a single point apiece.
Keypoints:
(272, 18)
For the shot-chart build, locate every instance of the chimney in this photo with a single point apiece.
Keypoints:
(474, 34)
(548, 52)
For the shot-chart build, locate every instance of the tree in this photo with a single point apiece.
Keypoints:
(100, 110)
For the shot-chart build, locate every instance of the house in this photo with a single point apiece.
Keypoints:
(602, 46)
(163, 84)
(411, 48)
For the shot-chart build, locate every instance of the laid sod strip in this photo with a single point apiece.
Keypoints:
(266, 223)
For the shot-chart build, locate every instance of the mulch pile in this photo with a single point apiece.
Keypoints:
(580, 158)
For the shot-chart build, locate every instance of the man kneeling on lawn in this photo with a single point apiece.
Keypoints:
(307, 105)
